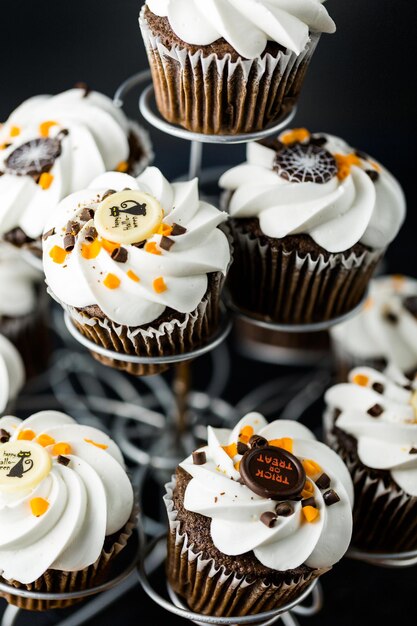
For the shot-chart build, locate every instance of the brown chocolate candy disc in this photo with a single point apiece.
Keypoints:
(33, 157)
(272, 472)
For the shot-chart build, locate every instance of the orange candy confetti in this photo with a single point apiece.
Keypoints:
(361, 380)
(58, 255)
(231, 450)
(109, 246)
(45, 180)
(39, 506)
(111, 281)
(26, 435)
(295, 135)
(237, 466)
(133, 276)
(15, 131)
(102, 446)
(311, 467)
(123, 166)
(310, 513)
(151, 247)
(286, 443)
(164, 229)
(61, 449)
(45, 127)
(159, 285)
(247, 432)
(308, 489)
(91, 250)
(344, 164)
(45, 440)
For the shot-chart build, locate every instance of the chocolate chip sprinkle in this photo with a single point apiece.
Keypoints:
(378, 387)
(199, 457)
(284, 509)
(268, 518)
(119, 255)
(318, 140)
(330, 497)
(242, 447)
(82, 85)
(323, 481)
(408, 387)
(69, 243)
(390, 317)
(4, 436)
(90, 234)
(63, 460)
(72, 228)
(108, 193)
(375, 411)
(166, 243)
(49, 233)
(362, 155)
(373, 175)
(178, 230)
(86, 215)
(413, 451)
(309, 502)
(257, 442)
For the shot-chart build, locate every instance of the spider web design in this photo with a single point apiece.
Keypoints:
(33, 157)
(305, 163)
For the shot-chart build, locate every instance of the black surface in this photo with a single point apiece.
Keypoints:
(359, 86)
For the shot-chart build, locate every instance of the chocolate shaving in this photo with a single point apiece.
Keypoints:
(86, 215)
(199, 457)
(166, 243)
(308, 502)
(375, 411)
(84, 86)
(242, 447)
(318, 141)
(4, 436)
(90, 234)
(72, 228)
(108, 193)
(48, 234)
(330, 497)
(139, 244)
(177, 230)
(408, 387)
(284, 509)
(119, 255)
(323, 481)
(390, 317)
(69, 243)
(361, 155)
(268, 518)
(63, 460)
(413, 451)
(373, 175)
(257, 442)
(378, 387)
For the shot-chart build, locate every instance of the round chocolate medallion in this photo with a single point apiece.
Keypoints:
(23, 465)
(305, 163)
(33, 157)
(128, 216)
(272, 472)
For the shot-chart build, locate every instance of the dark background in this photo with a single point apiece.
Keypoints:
(360, 86)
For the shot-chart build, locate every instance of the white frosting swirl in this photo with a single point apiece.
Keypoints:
(97, 141)
(202, 249)
(336, 214)
(385, 328)
(385, 441)
(89, 499)
(12, 372)
(235, 510)
(247, 25)
(17, 284)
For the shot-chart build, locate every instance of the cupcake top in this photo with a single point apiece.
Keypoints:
(53, 145)
(12, 372)
(386, 329)
(63, 489)
(274, 490)
(380, 412)
(319, 186)
(134, 247)
(247, 25)
(18, 282)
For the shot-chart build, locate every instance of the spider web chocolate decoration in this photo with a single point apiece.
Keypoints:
(305, 163)
(33, 157)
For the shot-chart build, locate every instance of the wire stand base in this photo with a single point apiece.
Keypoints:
(393, 560)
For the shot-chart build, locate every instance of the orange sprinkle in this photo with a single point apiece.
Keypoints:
(398, 281)
(102, 446)
(133, 276)
(45, 440)
(310, 513)
(111, 281)
(344, 164)
(369, 304)
(295, 135)
(361, 380)
(164, 229)
(39, 506)
(311, 467)
(45, 127)
(15, 131)
(45, 180)
(286, 443)
(308, 490)
(58, 255)
(237, 466)
(109, 246)
(61, 448)
(376, 166)
(159, 285)
(247, 432)
(91, 250)
(123, 166)
(231, 450)
(26, 435)
(3, 146)
(151, 247)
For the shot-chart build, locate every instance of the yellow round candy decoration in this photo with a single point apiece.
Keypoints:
(128, 217)
(23, 465)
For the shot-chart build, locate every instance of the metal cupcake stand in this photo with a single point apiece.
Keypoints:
(171, 421)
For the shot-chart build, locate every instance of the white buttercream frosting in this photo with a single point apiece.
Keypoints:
(235, 509)
(247, 25)
(17, 284)
(88, 499)
(12, 372)
(386, 441)
(97, 141)
(346, 209)
(201, 249)
(385, 328)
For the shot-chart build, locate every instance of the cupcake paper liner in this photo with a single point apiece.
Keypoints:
(215, 95)
(384, 516)
(168, 339)
(284, 287)
(212, 590)
(56, 581)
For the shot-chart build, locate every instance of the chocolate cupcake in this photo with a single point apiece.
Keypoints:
(311, 217)
(384, 332)
(52, 146)
(12, 375)
(233, 66)
(371, 421)
(255, 517)
(66, 506)
(139, 264)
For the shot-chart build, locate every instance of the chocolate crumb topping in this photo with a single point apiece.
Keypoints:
(375, 411)
(63, 460)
